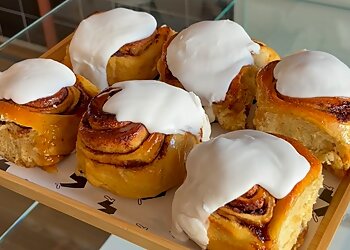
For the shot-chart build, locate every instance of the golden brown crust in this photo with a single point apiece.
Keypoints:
(51, 125)
(138, 47)
(301, 239)
(306, 119)
(265, 56)
(259, 221)
(233, 111)
(136, 60)
(124, 158)
(165, 74)
(253, 210)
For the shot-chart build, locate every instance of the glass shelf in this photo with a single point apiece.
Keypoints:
(64, 18)
(289, 26)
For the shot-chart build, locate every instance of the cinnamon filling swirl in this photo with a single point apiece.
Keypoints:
(123, 144)
(67, 101)
(253, 210)
(336, 106)
(138, 47)
(63, 102)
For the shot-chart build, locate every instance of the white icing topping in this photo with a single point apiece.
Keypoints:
(33, 79)
(160, 107)
(210, 113)
(207, 56)
(312, 74)
(224, 168)
(99, 36)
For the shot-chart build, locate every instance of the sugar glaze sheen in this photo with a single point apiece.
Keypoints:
(207, 56)
(33, 79)
(99, 36)
(162, 108)
(238, 158)
(308, 74)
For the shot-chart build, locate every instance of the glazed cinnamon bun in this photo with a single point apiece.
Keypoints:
(115, 46)
(256, 192)
(41, 103)
(306, 96)
(218, 61)
(135, 136)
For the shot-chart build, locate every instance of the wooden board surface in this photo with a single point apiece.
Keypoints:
(78, 210)
(333, 217)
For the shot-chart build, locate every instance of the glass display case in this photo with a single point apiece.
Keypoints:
(285, 25)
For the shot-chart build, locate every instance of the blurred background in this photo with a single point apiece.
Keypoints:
(20, 19)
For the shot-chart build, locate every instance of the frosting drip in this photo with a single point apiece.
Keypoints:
(160, 107)
(33, 79)
(99, 36)
(225, 168)
(312, 74)
(206, 57)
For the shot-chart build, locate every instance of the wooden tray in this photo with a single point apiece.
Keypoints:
(134, 233)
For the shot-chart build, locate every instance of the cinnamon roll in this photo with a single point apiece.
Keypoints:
(134, 142)
(115, 46)
(259, 195)
(218, 61)
(41, 103)
(306, 96)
